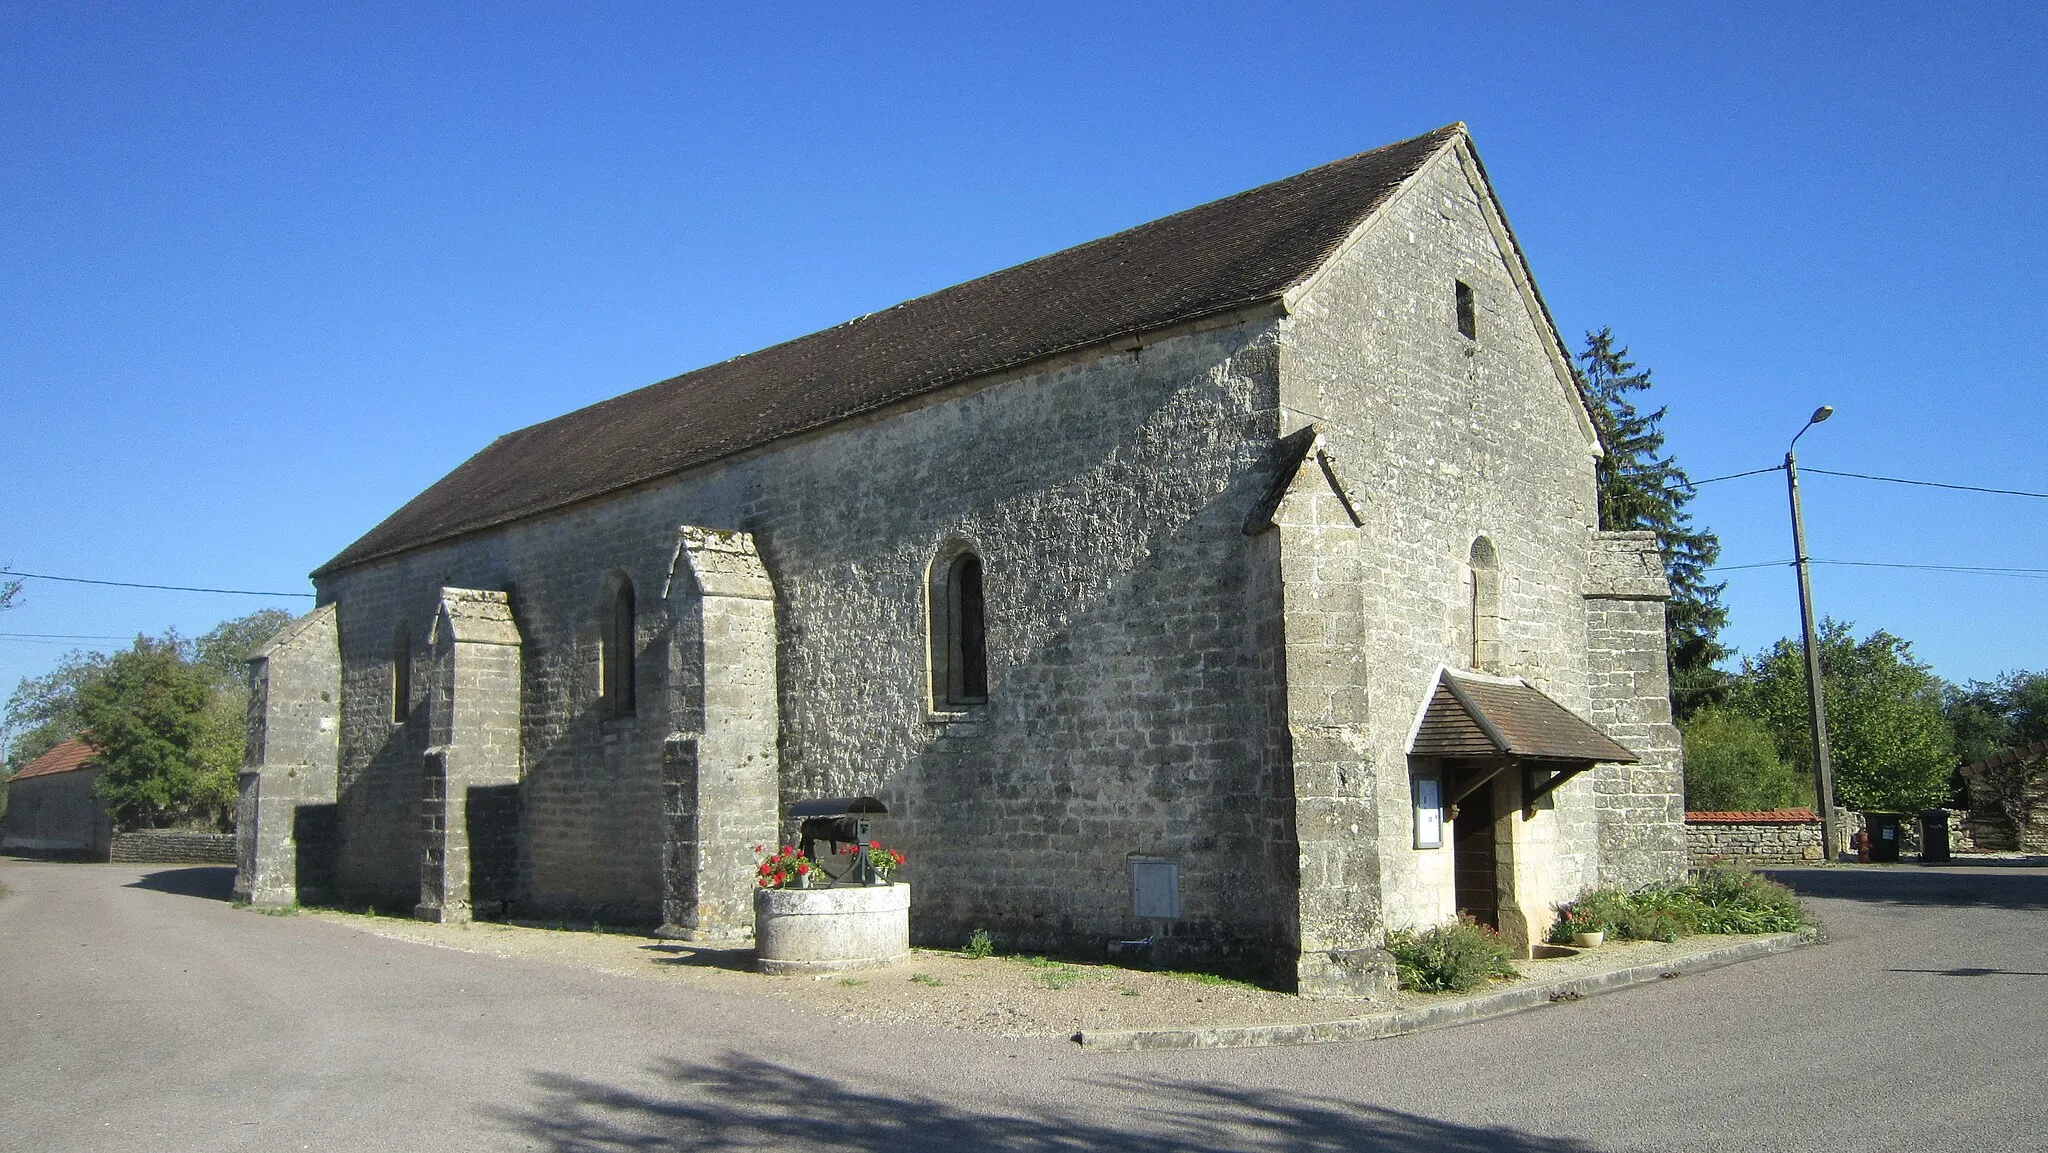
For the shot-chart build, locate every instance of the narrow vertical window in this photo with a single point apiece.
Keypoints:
(1484, 607)
(401, 674)
(959, 641)
(616, 655)
(1468, 313)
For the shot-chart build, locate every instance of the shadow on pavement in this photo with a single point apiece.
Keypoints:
(741, 1102)
(213, 882)
(1918, 885)
(738, 960)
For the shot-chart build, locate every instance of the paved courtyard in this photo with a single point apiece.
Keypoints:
(141, 1012)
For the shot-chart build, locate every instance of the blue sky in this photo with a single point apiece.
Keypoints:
(266, 271)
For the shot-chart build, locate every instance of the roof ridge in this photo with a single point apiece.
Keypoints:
(1204, 261)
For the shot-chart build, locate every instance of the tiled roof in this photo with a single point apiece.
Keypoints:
(2027, 752)
(1474, 717)
(68, 757)
(1206, 261)
(1770, 817)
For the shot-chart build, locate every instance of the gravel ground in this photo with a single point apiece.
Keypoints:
(1004, 996)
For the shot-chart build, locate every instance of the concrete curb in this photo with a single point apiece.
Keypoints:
(1442, 1015)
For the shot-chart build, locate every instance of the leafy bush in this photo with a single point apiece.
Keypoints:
(1720, 899)
(1732, 764)
(1732, 900)
(979, 944)
(1457, 957)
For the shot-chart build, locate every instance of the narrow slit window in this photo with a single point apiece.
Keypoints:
(1468, 313)
(959, 642)
(616, 655)
(1484, 606)
(401, 675)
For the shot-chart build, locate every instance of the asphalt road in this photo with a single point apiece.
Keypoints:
(139, 1011)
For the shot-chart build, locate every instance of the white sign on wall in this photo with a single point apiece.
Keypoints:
(1429, 813)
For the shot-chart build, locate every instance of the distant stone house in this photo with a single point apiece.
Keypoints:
(51, 809)
(1254, 546)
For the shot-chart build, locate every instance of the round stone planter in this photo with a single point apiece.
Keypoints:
(830, 930)
(1588, 940)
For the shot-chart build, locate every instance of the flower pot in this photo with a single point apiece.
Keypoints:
(830, 930)
(1588, 940)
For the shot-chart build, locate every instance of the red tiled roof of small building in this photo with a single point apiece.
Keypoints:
(68, 757)
(1770, 817)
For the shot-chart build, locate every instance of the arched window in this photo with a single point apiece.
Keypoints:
(1483, 622)
(401, 674)
(616, 651)
(959, 633)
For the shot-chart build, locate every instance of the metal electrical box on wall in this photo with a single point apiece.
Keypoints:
(1155, 888)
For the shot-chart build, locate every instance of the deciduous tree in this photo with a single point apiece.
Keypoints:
(1890, 745)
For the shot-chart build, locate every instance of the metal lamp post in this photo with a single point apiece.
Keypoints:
(1823, 770)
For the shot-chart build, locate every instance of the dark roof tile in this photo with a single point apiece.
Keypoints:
(1206, 261)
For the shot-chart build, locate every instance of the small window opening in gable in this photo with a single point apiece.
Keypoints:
(615, 652)
(1468, 313)
(401, 675)
(959, 632)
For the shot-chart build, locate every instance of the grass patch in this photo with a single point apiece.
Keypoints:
(1214, 979)
(852, 982)
(1126, 991)
(1052, 974)
(291, 910)
(925, 979)
(1718, 899)
(1454, 958)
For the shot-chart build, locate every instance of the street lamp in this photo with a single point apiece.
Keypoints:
(1823, 771)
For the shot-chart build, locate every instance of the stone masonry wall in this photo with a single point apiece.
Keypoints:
(1126, 713)
(1765, 839)
(1439, 439)
(167, 847)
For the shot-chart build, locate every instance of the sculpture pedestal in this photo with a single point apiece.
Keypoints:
(801, 931)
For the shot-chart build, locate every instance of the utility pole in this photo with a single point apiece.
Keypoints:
(1816, 702)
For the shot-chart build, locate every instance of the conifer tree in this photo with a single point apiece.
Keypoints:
(1643, 488)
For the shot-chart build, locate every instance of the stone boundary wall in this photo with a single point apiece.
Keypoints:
(1784, 837)
(157, 847)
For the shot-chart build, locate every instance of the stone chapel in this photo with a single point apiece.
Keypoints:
(1232, 580)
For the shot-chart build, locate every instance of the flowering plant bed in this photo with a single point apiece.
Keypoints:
(785, 868)
(872, 863)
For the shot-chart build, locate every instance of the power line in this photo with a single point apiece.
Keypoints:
(1736, 476)
(1933, 484)
(133, 585)
(1986, 570)
(1872, 476)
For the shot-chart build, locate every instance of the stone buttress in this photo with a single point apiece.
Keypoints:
(471, 768)
(720, 768)
(285, 823)
(1641, 806)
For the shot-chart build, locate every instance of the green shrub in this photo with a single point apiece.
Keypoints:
(1733, 900)
(979, 944)
(1732, 764)
(1599, 911)
(1457, 957)
(1720, 899)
